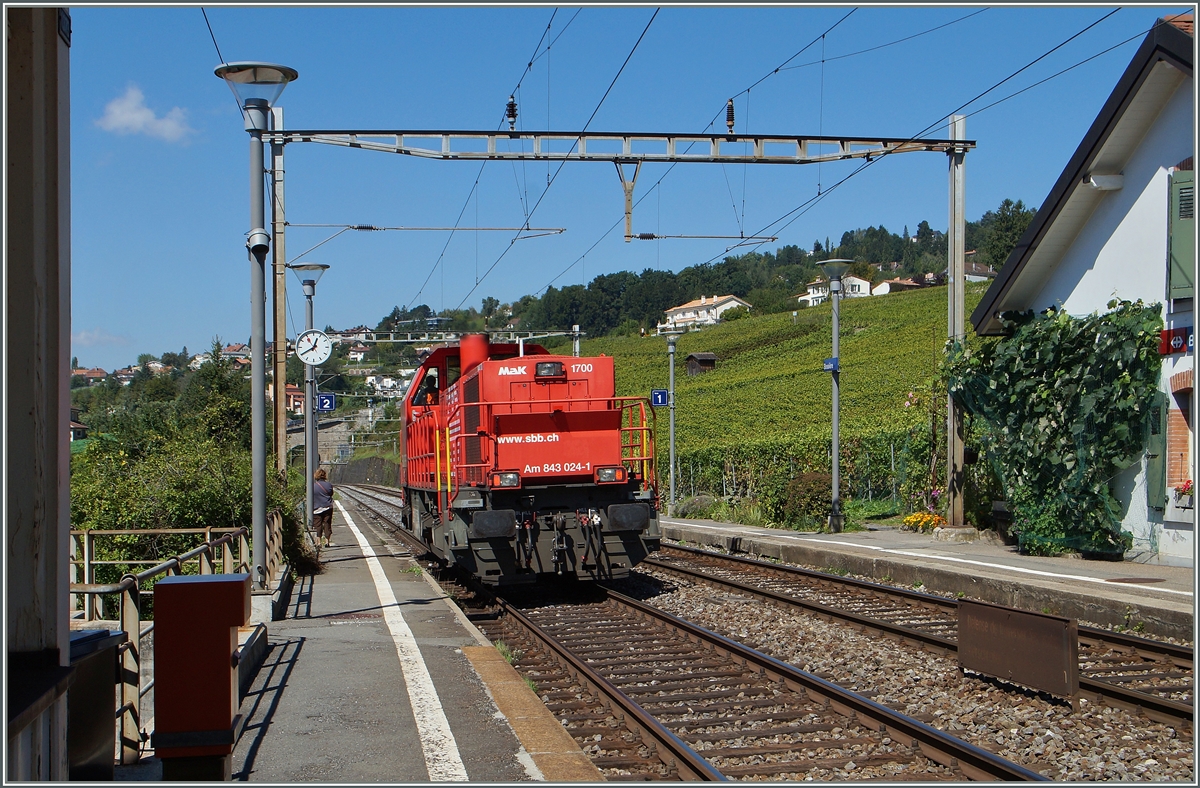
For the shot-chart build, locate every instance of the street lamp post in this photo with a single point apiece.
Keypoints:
(671, 339)
(835, 270)
(257, 86)
(311, 458)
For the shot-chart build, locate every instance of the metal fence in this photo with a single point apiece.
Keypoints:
(90, 601)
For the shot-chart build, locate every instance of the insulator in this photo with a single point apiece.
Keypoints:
(646, 236)
(729, 115)
(511, 111)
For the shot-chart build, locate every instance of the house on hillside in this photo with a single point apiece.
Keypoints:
(855, 287)
(236, 351)
(1120, 223)
(357, 353)
(704, 311)
(91, 376)
(818, 291)
(201, 359)
(973, 272)
(895, 286)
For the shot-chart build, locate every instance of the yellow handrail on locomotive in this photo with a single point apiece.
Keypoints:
(437, 458)
(636, 436)
(449, 482)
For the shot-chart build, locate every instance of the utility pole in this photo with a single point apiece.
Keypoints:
(279, 299)
(955, 319)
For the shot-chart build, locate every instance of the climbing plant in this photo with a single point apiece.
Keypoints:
(1065, 404)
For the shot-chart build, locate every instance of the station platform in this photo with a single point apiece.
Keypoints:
(375, 675)
(1150, 598)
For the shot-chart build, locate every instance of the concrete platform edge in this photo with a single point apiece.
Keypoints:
(252, 643)
(1158, 620)
(272, 606)
(553, 750)
(554, 753)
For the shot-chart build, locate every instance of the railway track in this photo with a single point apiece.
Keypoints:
(1125, 671)
(384, 506)
(651, 696)
(654, 697)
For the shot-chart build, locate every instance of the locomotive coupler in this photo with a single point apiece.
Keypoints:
(525, 541)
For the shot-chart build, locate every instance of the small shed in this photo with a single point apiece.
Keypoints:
(701, 362)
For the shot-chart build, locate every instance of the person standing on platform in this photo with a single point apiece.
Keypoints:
(323, 508)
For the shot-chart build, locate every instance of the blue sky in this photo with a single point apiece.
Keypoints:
(159, 157)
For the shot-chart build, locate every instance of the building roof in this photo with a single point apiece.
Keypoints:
(703, 356)
(1184, 22)
(1161, 63)
(706, 302)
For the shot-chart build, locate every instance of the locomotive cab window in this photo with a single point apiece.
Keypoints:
(453, 370)
(427, 392)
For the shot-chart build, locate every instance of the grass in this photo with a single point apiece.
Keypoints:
(510, 656)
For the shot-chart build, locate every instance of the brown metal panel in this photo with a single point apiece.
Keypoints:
(1034, 649)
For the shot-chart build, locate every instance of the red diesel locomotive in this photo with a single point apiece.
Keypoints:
(519, 463)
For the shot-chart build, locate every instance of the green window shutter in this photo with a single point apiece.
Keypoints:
(1156, 454)
(1183, 240)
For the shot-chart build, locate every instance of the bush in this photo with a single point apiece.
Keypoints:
(808, 497)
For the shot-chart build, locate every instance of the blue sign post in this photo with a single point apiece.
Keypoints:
(831, 365)
(326, 402)
(658, 398)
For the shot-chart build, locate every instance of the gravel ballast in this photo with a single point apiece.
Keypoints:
(1039, 732)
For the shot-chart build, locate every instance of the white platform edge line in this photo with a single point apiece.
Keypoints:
(927, 556)
(442, 758)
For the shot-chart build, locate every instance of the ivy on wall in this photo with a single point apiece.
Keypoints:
(1065, 404)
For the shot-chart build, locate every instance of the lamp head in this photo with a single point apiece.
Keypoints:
(249, 80)
(309, 274)
(309, 271)
(835, 269)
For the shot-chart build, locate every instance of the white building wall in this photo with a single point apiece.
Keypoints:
(1122, 253)
(1122, 250)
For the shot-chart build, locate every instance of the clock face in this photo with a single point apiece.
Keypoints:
(313, 347)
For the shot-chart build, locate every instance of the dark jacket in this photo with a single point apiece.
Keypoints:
(322, 495)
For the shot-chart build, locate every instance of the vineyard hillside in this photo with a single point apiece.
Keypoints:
(768, 386)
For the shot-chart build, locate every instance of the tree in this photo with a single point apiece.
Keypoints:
(1011, 220)
(489, 306)
(74, 362)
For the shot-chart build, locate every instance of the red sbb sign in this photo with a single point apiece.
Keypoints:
(1176, 340)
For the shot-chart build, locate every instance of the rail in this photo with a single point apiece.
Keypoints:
(90, 596)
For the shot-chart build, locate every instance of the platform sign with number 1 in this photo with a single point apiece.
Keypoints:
(658, 398)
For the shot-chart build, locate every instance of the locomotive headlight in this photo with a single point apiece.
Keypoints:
(506, 479)
(610, 475)
(549, 369)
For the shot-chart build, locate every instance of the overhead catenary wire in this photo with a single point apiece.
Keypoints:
(671, 168)
(599, 104)
(475, 186)
(808, 204)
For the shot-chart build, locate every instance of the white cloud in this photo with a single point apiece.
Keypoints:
(96, 337)
(128, 114)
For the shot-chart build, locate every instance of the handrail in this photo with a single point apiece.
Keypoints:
(129, 676)
(637, 437)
